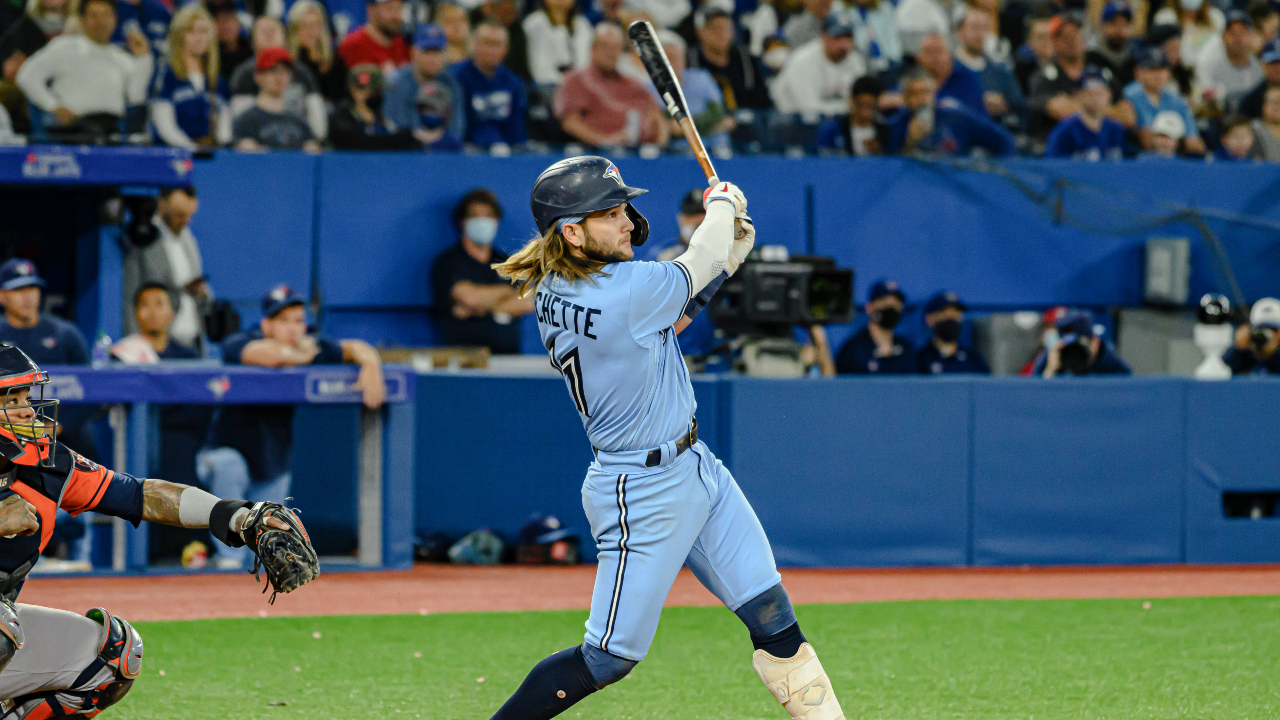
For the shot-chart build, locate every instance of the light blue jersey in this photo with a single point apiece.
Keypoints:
(612, 339)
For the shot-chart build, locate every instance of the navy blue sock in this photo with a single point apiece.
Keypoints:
(552, 687)
(781, 645)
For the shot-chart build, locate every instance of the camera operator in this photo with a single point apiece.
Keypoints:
(1079, 351)
(944, 354)
(876, 349)
(1257, 341)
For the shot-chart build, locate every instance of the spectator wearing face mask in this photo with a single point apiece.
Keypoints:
(428, 65)
(876, 349)
(1079, 350)
(434, 108)
(357, 122)
(474, 305)
(1257, 341)
(943, 354)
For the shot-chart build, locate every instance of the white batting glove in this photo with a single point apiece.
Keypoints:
(728, 192)
(744, 238)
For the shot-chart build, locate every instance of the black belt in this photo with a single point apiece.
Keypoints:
(684, 442)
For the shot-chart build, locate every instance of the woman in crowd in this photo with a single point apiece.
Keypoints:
(54, 17)
(188, 103)
(559, 40)
(311, 46)
(1200, 22)
(357, 122)
(457, 28)
(1266, 131)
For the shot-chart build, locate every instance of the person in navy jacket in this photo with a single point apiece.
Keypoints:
(876, 349)
(1079, 350)
(946, 127)
(944, 354)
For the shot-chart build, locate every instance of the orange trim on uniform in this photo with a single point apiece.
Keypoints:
(46, 507)
(85, 488)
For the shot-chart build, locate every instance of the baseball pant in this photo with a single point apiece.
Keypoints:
(224, 471)
(647, 525)
(58, 656)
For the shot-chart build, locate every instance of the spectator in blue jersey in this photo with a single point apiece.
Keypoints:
(188, 105)
(944, 354)
(427, 66)
(1089, 134)
(944, 126)
(252, 449)
(864, 131)
(876, 349)
(1001, 93)
(952, 79)
(492, 94)
(1149, 95)
(1079, 350)
(357, 122)
(149, 17)
(1256, 350)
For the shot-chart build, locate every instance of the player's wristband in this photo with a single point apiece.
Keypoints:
(703, 298)
(220, 521)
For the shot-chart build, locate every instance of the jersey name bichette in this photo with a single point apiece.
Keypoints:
(612, 339)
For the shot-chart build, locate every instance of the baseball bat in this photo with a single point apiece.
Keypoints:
(645, 40)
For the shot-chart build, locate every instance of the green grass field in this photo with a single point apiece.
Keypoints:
(1182, 658)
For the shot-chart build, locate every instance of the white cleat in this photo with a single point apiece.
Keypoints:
(799, 683)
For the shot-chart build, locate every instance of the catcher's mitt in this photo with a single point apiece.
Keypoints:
(285, 556)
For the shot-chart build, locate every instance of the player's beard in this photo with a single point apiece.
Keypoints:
(594, 250)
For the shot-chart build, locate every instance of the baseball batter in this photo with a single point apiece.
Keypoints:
(655, 496)
(55, 663)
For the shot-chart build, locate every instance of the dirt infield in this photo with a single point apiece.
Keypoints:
(443, 588)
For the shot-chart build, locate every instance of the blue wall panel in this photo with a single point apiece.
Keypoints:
(493, 451)
(255, 224)
(1231, 447)
(1077, 471)
(850, 472)
(326, 474)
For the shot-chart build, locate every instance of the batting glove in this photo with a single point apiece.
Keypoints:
(729, 192)
(744, 238)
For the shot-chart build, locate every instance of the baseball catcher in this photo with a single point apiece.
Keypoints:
(55, 663)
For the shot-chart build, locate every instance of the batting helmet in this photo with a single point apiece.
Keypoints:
(574, 188)
(25, 441)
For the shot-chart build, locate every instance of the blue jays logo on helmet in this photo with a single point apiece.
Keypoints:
(612, 172)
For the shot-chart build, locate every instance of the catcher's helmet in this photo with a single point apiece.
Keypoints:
(579, 186)
(25, 441)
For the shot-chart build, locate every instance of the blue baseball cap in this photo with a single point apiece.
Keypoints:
(279, 298)
(1239, 16)
(1112, 9)
(1271, 51)
(942, 301)
(885, 287)
(837, 25)
(430, 37)
(1094, 75)
(1152, 58)
(19, 273)
(1075, 324)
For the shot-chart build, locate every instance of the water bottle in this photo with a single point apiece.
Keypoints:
(101, 350)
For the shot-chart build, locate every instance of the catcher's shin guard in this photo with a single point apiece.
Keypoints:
(101, 685)
(11, 637)
(799, 683)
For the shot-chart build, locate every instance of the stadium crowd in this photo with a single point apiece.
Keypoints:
(1085, 79)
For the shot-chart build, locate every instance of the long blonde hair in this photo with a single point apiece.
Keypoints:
(182, 22)
(296, 13)
(548, 254)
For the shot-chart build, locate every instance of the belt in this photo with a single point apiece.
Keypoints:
(650, 458)
(684, 442)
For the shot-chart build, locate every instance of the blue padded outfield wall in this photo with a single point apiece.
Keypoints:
(364, 228)
(883, 471)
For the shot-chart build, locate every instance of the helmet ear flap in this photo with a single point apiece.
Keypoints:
(641, 231)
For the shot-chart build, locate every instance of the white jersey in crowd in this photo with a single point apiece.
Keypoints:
(612, 339)
(811, 85)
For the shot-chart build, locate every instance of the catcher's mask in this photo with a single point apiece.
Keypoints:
(28, 425)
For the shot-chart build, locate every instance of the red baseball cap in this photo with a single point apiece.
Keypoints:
(272, 56)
